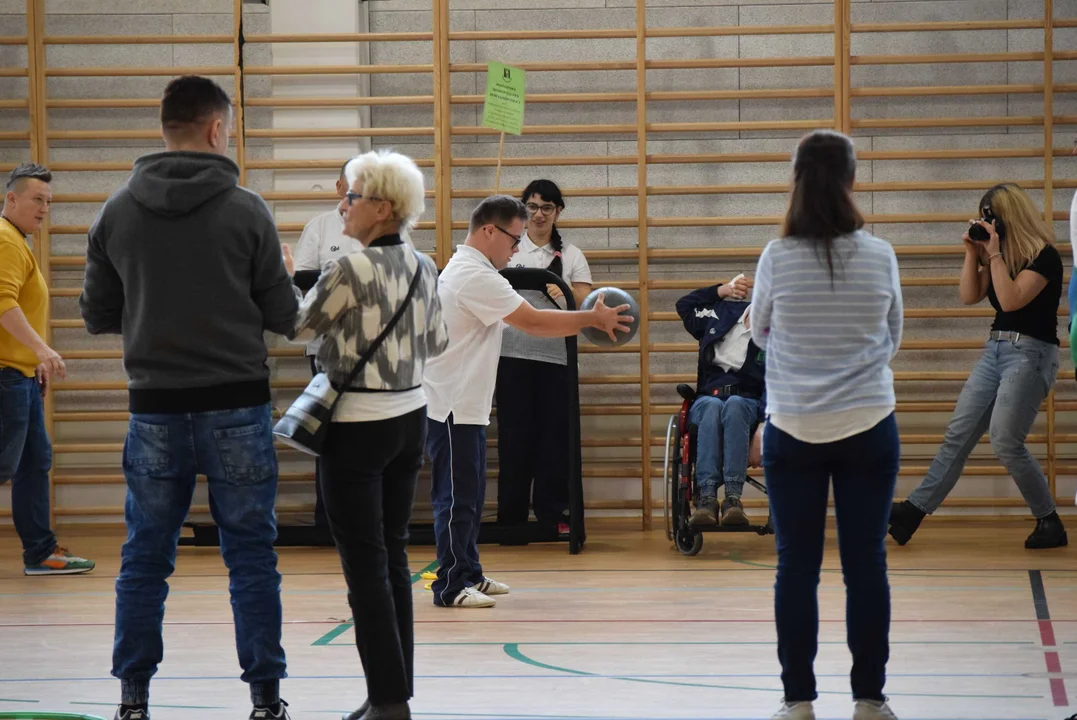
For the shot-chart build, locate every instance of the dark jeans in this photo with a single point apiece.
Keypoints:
(532, 440)
(458, 492)
(25, 459)
(161, 458)
(864, 469)
(368, 475)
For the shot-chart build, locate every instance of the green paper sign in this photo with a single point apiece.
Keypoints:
(504, 106)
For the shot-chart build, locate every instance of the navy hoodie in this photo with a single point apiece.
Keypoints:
(187, 266)
(708, 318)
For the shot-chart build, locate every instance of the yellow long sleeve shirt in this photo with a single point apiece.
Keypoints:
(21, 285)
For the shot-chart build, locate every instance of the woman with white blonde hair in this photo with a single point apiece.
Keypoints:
(1011, 259)
(374, 448)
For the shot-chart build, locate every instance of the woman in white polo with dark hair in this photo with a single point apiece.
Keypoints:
(533, 394)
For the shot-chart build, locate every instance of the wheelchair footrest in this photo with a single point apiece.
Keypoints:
(758, 529)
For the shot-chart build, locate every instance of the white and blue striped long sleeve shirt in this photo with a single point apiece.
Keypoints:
(828, 347)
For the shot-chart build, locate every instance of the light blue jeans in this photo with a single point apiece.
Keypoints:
(725, 430)
(1003, 394)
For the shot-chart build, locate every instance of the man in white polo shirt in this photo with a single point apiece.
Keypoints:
(322, 240)
(459, 384)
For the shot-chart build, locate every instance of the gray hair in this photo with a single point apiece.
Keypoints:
(29, 171)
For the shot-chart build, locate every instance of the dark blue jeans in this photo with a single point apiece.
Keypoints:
(161, 458)
(725, 431)
(458, 492)
(25, 459)
(864, 469)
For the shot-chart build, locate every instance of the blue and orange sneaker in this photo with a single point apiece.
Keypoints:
(61, 562)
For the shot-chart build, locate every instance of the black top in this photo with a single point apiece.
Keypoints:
(1038, 319)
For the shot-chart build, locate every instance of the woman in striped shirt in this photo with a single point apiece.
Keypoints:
(828, 311)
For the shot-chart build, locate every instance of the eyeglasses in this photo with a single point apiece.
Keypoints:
(546, 209)
(515, 238)
(353, 196)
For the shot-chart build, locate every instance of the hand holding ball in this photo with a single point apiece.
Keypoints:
(618, 316)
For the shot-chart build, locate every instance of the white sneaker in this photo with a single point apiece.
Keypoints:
(491, 587)
(871, 710)
(469, 597)
(795, 711)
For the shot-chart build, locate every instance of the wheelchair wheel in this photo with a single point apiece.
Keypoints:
(688, 542)
(670, 472)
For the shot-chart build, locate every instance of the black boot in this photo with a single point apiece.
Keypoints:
(904, 519)
(1049, 533)
(358, 713)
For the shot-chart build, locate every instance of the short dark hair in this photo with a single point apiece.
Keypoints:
(29, 171)
(821, 206)
(190, 100)
(497, 210)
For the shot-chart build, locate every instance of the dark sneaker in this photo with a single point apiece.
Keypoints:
(733, 512)
(905, 518)
(1049, 533)
(706, 512)
(394, 711)
(273, 712)
(358, 713)
(139, 713)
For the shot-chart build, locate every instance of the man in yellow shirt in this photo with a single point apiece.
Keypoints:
(27, 366)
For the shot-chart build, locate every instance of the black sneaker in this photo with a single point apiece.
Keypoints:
(905, 518)
(137, 713)
(273, 712)
(358, 713)
(733, 512)
(1049, 533)
(706, 512)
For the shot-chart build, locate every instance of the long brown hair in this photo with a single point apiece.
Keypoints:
(821, 204)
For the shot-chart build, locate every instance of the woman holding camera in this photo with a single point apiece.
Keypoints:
(374, 447)
(1011, 259)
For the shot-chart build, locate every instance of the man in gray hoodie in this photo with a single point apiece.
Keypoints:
(188, 267)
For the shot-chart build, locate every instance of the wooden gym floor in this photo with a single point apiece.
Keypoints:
(983, 630)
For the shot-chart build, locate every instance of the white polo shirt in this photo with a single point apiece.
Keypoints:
(323, 239)
(517, 343)
(475, 298)
(731, 352)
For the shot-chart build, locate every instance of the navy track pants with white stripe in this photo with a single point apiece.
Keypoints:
(458, 491)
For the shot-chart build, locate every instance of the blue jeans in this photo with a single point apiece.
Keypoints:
(725, 431)
(1003, 394)
(161, 458)
(25, 459)
(458, 493)
(864, 470)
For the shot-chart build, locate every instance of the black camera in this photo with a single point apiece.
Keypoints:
(978, 233)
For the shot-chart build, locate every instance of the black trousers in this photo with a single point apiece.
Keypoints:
(533, 407)
(368, 474)
(320, 520)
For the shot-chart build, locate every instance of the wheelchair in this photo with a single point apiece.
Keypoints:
(679, 476)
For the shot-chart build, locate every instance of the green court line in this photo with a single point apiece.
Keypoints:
(734, 557)
(339, 630)
(513, 651)
(155, 705)
(13, 700)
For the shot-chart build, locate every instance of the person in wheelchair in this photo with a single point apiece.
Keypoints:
(730, 399)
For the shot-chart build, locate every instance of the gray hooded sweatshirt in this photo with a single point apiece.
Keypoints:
(187, 266)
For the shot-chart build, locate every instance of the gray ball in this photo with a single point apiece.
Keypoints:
(612, 297)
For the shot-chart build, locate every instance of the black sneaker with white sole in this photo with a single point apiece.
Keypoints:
(138, 713)
(273, 712)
